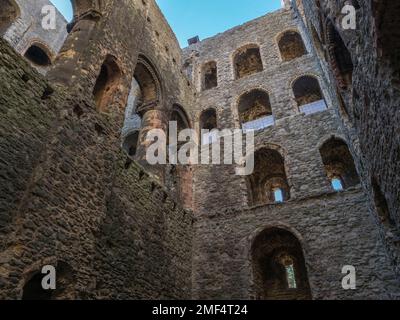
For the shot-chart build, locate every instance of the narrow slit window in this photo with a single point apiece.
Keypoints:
(291, 276)
(278, 194)
(337, 184)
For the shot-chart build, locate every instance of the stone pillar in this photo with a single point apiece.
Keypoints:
(68, 64)
(153, 118)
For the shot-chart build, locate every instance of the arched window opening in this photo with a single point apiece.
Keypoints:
(381, 206)
(149, 85)
(133, 122)
(33, 289)
(337, 184)
(179, 116)
(9, 13)
(279, 266)
(247, 61)
(209, 75)
(255, 110)
(278, 195)
(208, 122)
(291, 276)
(37, 55)
(308, 94)
(268, 184)
(65, 282)
(339, 57)
(339, 164)
(291, 46)
(130, 144)
(107, 83)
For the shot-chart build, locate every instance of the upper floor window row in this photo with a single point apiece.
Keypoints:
(247, 60)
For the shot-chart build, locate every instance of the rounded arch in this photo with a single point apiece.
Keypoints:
(306, 89)
(179, 114)
(275, 225)
(270, 173)
(290, 44)
(247, 60)
(339, 163)
(107, 83)
(208, 119)
(38, 53)
(150, 84)
(253, 104)
(10, 12)
(278, 263)
(30, 286)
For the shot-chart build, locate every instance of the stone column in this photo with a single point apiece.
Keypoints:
(152, 118)
(68, 64)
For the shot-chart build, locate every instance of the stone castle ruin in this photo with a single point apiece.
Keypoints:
(76, 192)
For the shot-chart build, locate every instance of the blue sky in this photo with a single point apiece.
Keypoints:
(204, 18)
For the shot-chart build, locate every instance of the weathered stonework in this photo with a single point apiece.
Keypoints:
(76, 193)
(26, 30)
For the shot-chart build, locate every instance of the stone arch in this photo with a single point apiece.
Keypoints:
(339, 56)
(107, 83)
(247, 61)
(209, 75)
(144, 96)
(208, 119)
(132, 121)
(149, 83)
(39, 54)
(179, 114)
(307, 90)
(291, 45)
(254, 105)
(65, 284)
(279, 268)
(10, 12)
(269, 174)
(339, 163)
(130, 143)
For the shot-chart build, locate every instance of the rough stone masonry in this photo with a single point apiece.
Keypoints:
(77, 193)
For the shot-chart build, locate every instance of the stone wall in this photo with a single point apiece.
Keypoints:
(369, 116)
(225, 225)
(70, 195)
(28, 30)
(334, 230)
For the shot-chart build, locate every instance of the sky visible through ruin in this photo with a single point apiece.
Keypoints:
(205, 18)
